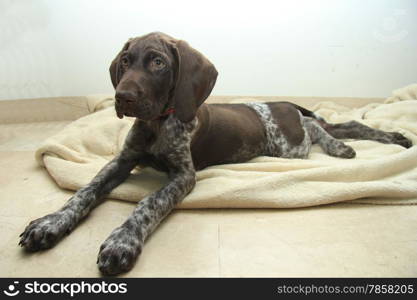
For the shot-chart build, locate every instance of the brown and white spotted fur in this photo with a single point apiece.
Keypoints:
(163, 82)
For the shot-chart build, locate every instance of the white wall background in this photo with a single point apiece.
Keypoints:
(295, 48)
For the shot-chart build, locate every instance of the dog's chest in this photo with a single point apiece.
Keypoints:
(168, 145)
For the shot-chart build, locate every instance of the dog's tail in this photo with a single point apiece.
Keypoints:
(308, 113)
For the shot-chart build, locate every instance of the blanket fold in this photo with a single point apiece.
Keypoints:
(380, 174)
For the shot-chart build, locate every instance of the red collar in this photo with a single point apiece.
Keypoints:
(169, 111)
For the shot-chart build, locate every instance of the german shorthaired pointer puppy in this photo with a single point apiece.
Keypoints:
(163, 82)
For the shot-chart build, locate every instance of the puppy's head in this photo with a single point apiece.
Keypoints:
(156, 72)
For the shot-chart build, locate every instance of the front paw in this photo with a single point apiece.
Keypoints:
(45, 232)
(119, 251)
(398, 138)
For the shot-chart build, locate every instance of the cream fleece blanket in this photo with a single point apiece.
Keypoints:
(380, 174)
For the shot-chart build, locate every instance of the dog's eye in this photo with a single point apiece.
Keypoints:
(157, 64)
(124, 61)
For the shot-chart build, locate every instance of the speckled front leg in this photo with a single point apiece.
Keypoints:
(120, 250)
(45, 232)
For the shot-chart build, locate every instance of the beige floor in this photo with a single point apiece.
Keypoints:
(335, 240)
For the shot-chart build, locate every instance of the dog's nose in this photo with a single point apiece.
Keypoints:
(125, 96)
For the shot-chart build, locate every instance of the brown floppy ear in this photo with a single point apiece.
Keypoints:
(196, 77)
(115, 70)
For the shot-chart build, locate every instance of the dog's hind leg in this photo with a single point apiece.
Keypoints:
(328, 143)
(356, 130)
